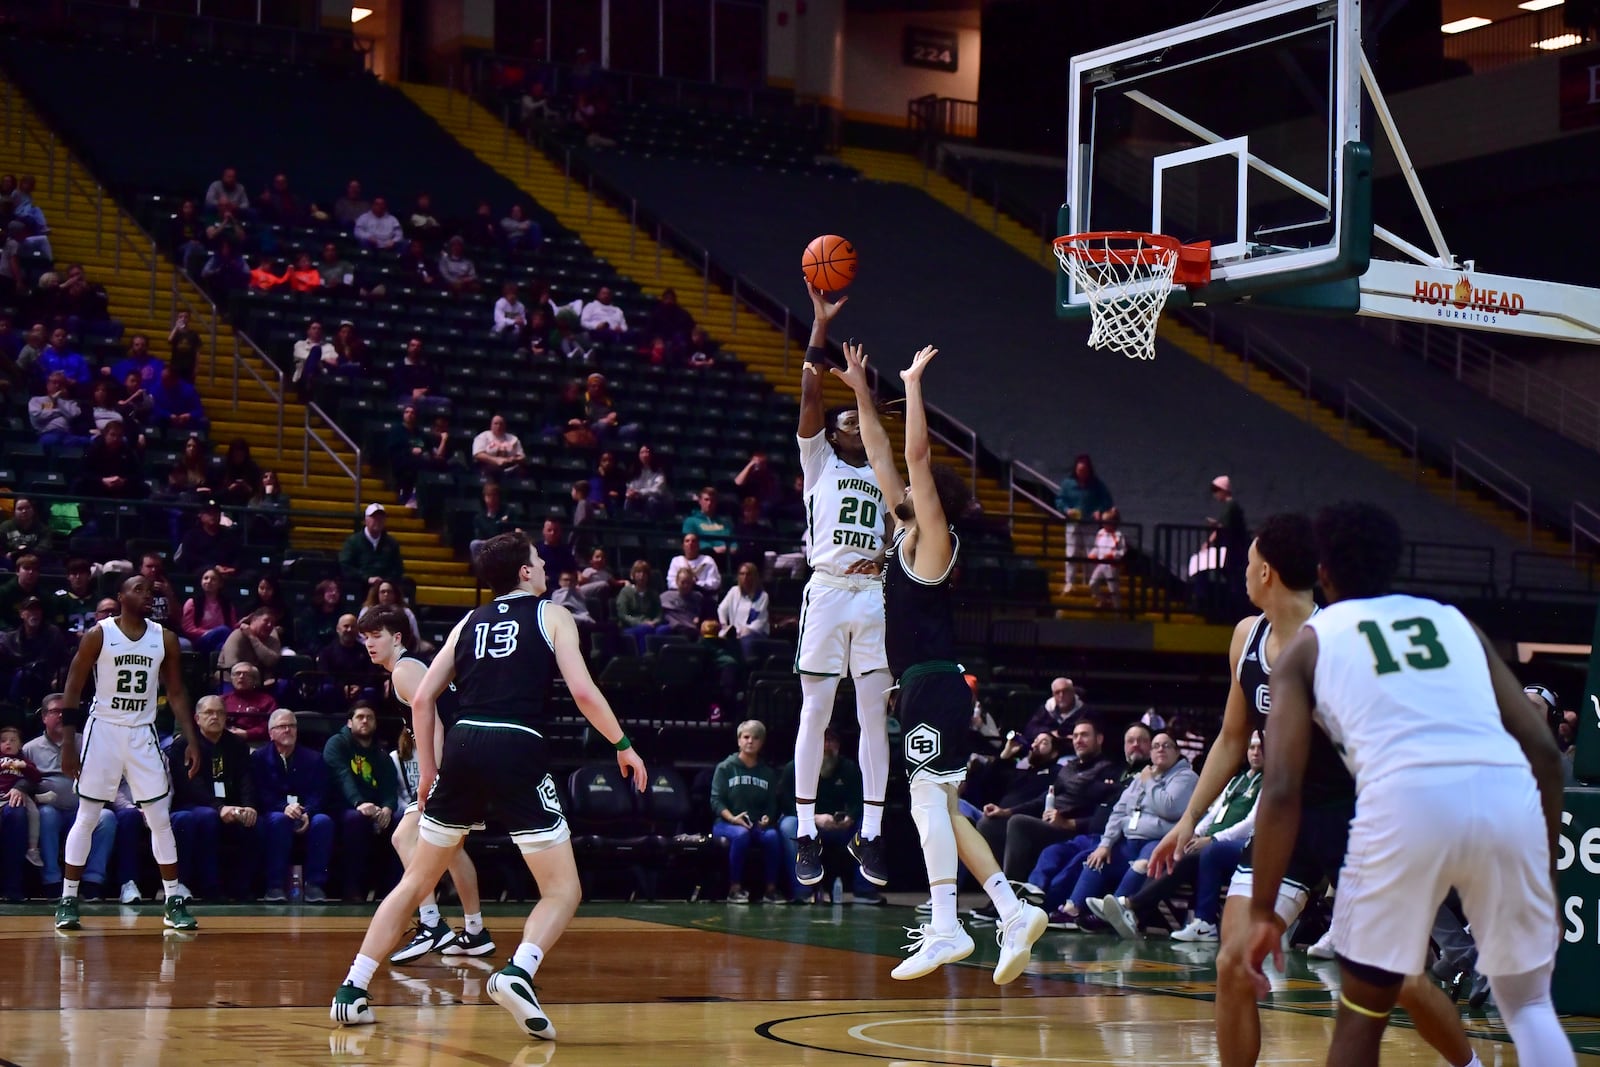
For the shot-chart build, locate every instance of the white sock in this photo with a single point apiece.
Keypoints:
(944, 908)
(69, 887)
(169, 889)
(1474, 1062)
(474, 921)
(806, 812)
(871, 820)
(429, 913)
(361, 971)
(1004, 897)
(528, 956)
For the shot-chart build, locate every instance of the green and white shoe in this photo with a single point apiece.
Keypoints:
(177, 914)
(67, 914)
(351, 1007)
(512, 988)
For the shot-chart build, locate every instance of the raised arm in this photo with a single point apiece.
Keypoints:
(934, 548)
(813, 413)
(874, 438)
(586, 694)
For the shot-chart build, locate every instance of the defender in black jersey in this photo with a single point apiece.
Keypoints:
(935, 705)
(503, 657)
(1280, 579)
(387, 633)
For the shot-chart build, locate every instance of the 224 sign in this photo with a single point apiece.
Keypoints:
(933, 49)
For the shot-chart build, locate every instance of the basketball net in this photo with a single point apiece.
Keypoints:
(1126, 279)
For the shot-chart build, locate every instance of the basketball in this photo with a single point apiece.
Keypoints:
(829, 262)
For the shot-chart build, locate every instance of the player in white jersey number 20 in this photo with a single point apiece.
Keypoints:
(841, 615)
(130, 657)
(1458, 786)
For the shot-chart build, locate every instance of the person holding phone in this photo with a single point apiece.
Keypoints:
(744, 797)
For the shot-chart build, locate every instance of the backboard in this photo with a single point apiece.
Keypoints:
(1234, 130)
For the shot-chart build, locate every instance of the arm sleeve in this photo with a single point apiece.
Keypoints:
(719, 791)
(267, 792)
(725, 609)
(762, 623)
(1241, 830)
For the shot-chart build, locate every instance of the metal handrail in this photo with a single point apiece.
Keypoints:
(1403, 432)
(1590, 532)
(313, 437)
(240, 363)
(1015, 488)
(1514, 491)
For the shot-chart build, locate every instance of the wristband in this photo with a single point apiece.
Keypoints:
(622, 744)
(816, 355)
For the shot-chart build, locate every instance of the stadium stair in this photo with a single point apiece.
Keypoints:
(908, 170)
(323, 511)
(758, 344)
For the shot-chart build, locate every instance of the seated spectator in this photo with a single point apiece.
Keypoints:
(72, 606)
(600, 410)
(683, 607)
(346, 659)
(28, 212)
(422, 222)
(566, 414)
(139, 361)
(1005, 789)
(134, 406)
(240, 482)
(348, 208)
(292, 789)
(510, 316)
(418, 267)
(227, 190)
(17, 588)
(1057, 714)
(248, 705)
(19, 781)
(253, 641)
(338, 274)
(571, 341)
(209, 545)
(603, 318)
(597, 581)
(227, 224)
(494, 519)
(703, 569)
(1108, 551)
(481, 230)
(586, 514)
(34, 342)
(457, 273)
(184, 347)
(758, 479)
(1159, 794)
(58, 355)
(25, 534)
(225, 271)
(208, 616)
(377, 229)
(567, 595)
(214, 813)
(364, 780)
(608, 486)
(639, 605)
(279, 204)
(56, 816)
(553, 549)
(187, 233)
(647, 492)
(304, 277)
(317, 626)
(496, 452)
(111, 467)
(33, 657)
(55, 416)
(388, 594)
(744, 798)
(745, 612)
(702, 349)
(520, 233)
(164, 607)
(196, 464)
(371, 554)
(270, 597)
(415, 380)
(541, 333)
(351, 349)
(754, 537)
(413, 450)
(671, 321)
(268, 274)
(714, 532)
(311, 354)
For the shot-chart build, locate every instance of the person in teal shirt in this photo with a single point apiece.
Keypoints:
(715, 532)
(838, 815)
(744, 799)
(1084, 499)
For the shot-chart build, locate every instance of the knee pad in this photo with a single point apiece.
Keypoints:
(158, 815)
(816, 701)
(930, 810)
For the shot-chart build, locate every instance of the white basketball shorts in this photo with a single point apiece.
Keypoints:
(841, 626)
(1478, 829)
(111, 751)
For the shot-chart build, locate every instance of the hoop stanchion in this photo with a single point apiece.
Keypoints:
(1126, 278)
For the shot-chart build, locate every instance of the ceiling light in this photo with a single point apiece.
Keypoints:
(1552, 44)
(1539, 5)
(359, 13)
(1460, 25)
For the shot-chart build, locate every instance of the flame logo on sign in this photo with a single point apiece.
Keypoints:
(1463, 291)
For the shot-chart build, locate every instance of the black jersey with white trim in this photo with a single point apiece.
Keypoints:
(1327, 781)
(506, 661)
(448, 704)
(918, 613)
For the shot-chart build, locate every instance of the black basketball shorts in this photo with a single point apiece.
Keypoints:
(499, 770)
(1318, 854)
(935, 713)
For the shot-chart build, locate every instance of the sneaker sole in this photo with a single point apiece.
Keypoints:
(1008, 970)
(1195, 939)
(484, 949)
(406, 955)
(1118, 922)
(808, 881)
(69, 926)
(963, 954)
(507, 992)
(173, 925)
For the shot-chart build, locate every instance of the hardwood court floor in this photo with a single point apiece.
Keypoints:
(668, 985)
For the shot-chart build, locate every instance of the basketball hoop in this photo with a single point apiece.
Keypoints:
(1126, 278)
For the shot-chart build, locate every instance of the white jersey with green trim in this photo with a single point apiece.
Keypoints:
(127, 675)
(844, 508)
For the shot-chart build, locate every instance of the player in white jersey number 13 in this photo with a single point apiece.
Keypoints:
(130, 657)
(1458, 786)
(841, 615)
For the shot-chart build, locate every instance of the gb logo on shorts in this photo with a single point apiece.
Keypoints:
(922, 744)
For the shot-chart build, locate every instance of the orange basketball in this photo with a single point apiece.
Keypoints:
(829, 262)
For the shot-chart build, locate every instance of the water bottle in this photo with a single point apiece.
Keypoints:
(837, 896)
(297, 877)
(1050, 798)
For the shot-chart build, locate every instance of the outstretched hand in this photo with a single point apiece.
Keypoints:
(823, 310)
(919, 363)
(855, 369)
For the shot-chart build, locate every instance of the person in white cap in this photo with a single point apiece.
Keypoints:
(370, 554)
